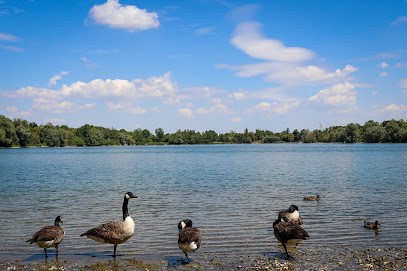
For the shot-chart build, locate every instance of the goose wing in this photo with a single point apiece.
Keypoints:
(188, 235)
(108, 231)
(48, 233)
(289, 230)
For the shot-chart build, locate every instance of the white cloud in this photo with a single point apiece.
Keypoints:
(401, 64)
(395, 109)
(136, 111)
(236, 119)
(129, 17)
(383, 65)
(403, 84)
(399, 20)
(51, 106)
(278, 108)
(374, 93)
(339, 95)
(250, 40)
(186, 112)
(238, 96)
(8, 37)
(218, 108)
(156, 86)
(55, 78)
(291, 74)
(383, 74)
(15, 112)
(128, 108)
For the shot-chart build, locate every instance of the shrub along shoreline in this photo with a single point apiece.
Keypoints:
(21, 133)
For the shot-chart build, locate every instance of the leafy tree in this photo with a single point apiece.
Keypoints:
(49, 135)
(159, 133)
(22, 131)
(96, 137)
(8, 134)
(375, 134)
(351, 133)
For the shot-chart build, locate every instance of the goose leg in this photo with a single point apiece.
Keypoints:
(114, 253)
(187, 256)
(45, 251)
(288, 256)
(56, 247)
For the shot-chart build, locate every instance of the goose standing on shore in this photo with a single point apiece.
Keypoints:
(292, 214)
(288, 232)
(114, 232)
(49, 236)
(189, 238)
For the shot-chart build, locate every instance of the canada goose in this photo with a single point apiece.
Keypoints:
(189, 238)
(292, 214)
(288, 232)
(114, 232)
(371, 225)
(312, 198)
(49, 236)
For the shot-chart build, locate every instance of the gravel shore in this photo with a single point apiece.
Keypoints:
(368, 259)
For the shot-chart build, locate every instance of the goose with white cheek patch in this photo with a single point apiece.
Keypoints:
(288, 232)
(114, 232)
(49, 236)
(189, 238)
(292, 214)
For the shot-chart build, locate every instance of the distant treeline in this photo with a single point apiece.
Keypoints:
(19, 132)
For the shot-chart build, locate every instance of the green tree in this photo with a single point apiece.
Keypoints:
(22, 131)
(8, 134)
(49, 135)
(375, 134)
(351, 133)
(159, 134)
(96, 137)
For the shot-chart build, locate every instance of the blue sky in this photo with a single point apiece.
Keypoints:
(220, 65)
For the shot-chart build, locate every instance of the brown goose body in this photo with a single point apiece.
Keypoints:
(49, 236)
(292, 214)
(189, 238)
(114, 232)
(372, 225)
(312, 198)
(288, 232)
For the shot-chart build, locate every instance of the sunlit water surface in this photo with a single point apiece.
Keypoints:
(231, 192)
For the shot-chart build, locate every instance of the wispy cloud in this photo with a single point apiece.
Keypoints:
(12, 48)
(8, 37)
(399, 20)
(129, 17)
(205, 31)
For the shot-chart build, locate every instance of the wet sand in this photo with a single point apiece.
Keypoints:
(368, 259)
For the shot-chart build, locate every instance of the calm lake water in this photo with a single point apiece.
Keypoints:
(231, 192)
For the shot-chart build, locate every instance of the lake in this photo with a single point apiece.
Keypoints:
(231, 192)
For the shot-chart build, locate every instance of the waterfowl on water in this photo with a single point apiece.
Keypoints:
(114, 232)
(312, 198)
(49, 236)
(292, 214)
(288, 232)
(189, 238)
(371, 225)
